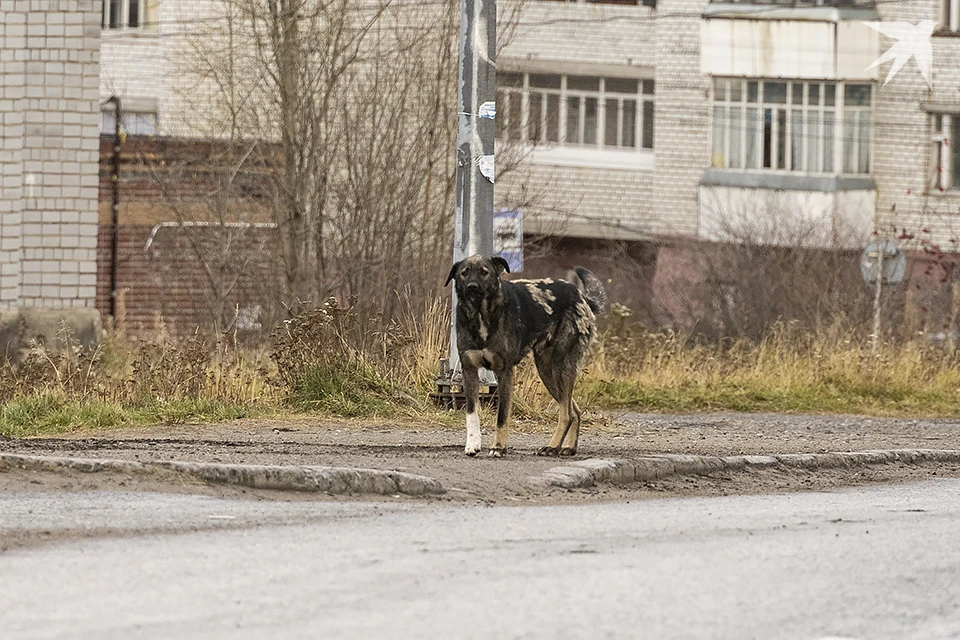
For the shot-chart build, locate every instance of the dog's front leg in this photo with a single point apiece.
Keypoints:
(505, 393)
(470, 362)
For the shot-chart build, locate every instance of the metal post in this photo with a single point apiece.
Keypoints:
(115, 206)
(875, 338)
(473, 225)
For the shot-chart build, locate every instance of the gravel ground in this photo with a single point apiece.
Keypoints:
(437, 451)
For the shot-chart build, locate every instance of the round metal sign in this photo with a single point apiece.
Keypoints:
(894, 262)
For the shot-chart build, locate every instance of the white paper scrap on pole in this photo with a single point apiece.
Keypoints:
(488, 110)
(486, 167)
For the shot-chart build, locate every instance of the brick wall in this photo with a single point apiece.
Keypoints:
(168, 286)
(575, 34)
(49, 76)
(173, 283)
(682, 132)
(625, 267)
(902, 164)
(586, 202)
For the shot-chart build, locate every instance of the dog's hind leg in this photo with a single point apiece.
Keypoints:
(544, 361)
(564, 421)
(560, 385)
(470, 362)
(558, 368)
(573, 434)
(505, 395)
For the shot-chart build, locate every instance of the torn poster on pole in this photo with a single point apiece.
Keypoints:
(508, 237)
(486, 167)
(488, 110)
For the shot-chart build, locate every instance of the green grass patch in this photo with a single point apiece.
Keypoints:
(351, 390)
(44, 414)
(48, 414)
(181, 410)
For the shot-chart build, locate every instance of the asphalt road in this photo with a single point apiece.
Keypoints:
(863, 563)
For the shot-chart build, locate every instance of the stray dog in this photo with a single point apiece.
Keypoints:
(499, 322)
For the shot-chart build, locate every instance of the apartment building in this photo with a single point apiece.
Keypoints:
(668, 126)
(49, 69)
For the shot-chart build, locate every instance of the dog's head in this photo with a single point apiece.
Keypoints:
(476, 277)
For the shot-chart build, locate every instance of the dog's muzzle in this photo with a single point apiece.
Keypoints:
(473, 290)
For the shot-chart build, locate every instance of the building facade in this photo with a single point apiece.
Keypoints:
(765, 115)
(49, 74)
(680, 124)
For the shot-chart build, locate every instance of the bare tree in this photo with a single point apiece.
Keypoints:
(346, 114)
(773, 260)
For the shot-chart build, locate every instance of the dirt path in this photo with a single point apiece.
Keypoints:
(437, 451)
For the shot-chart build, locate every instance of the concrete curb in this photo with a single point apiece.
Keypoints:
(334, 480)
(587, 473)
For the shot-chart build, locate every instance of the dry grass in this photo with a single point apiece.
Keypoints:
(785, 372)
(331, 362)
(124, 382)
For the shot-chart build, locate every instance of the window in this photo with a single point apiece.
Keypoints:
(610, 113)
(130, 14)
(857, 113)
(945, 152)
(950, 15)
(791, 126)
(132, 123)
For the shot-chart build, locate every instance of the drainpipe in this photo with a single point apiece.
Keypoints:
(115, 206)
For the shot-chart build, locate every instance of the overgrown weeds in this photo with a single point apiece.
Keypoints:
(786, 371)
(330, 361)
(123, 382)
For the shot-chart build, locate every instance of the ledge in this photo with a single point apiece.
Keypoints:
(938, 106)
(774, 12)
(784, 181)
(593, 157)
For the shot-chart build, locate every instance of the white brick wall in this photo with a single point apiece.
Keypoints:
(49, 74)
(902, 137)
(581, 201)
(587, 34)
(682, 133)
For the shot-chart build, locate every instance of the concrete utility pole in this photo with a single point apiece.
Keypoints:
(473, 226)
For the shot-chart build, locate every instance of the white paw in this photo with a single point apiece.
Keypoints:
(472, 447)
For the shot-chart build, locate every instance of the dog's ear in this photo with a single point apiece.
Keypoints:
(500, 264)
(453, 272)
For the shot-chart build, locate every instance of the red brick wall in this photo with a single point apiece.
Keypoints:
(626, 268)
(167, 285)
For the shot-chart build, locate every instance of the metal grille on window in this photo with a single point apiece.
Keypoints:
(610, 113)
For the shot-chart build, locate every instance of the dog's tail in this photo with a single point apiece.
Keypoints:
(590, 286)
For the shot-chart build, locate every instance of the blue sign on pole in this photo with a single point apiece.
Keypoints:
(508, 237)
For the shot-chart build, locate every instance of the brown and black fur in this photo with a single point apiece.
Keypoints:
(499, 322)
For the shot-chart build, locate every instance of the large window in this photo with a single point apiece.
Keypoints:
(792, 126)
(130, 14)
(611, 113)
(945, 152)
